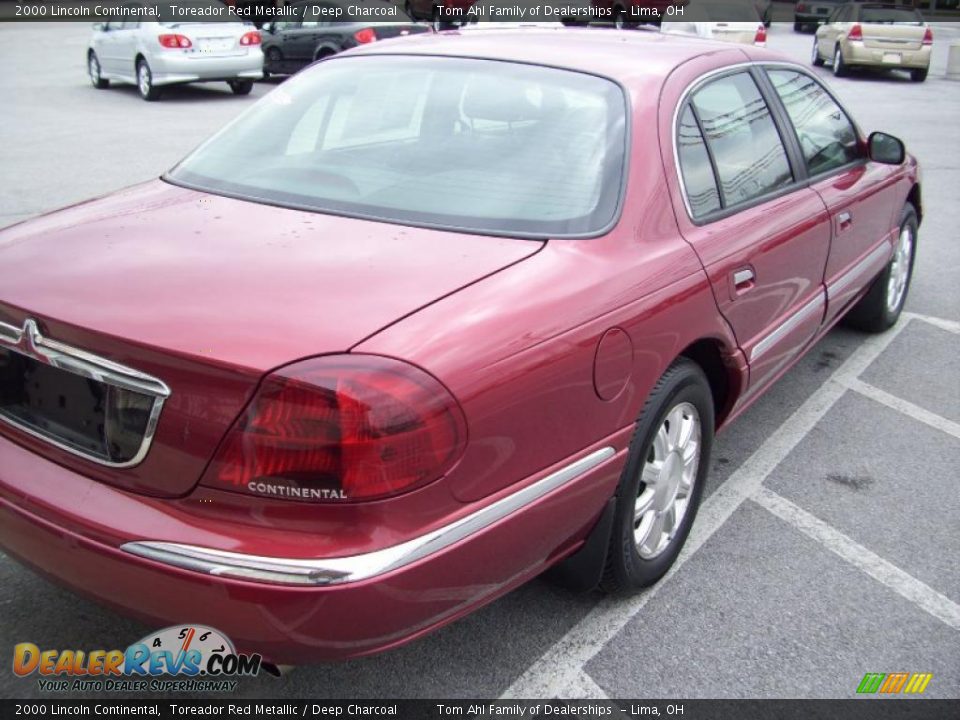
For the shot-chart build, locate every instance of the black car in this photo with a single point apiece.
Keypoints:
(321, 28)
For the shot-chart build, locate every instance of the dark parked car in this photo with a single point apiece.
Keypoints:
(811, 13)
(428, 320)
(433, 9)
(327, 27)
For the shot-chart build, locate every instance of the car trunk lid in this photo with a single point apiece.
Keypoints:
(207, 293)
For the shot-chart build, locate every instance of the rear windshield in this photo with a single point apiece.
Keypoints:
(474, 145)
(899, 16)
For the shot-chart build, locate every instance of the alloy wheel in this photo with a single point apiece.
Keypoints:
(900, 269)
(667, 481)
(93, 67)
(143, 79)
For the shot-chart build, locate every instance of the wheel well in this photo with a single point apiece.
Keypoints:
(913, 197)
(324, 52)
(706, 354)
(137, 59)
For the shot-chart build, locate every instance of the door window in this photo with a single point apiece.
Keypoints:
(740, 132)
(827, 137)
(698, 178)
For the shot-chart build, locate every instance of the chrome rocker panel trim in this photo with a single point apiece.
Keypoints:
(337, 571)
(30, 342)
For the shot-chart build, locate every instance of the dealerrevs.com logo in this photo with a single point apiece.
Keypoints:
(201, 659)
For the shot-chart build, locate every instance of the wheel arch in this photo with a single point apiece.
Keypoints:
(913, 197)
(325, 51)
(725, 382)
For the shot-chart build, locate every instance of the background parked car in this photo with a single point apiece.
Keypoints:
(152, 55)
(430, 9)
(875, 35)
(630, 13)
(568, 12)
(328, 27)
(728, 20)
(811, 13)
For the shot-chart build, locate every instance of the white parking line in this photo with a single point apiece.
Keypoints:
(557, 671)
(942, 323)
(904, 406)
(914, 590)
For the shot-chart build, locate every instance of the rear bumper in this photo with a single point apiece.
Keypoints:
(857, 53)
(177, 68)
(289, 622)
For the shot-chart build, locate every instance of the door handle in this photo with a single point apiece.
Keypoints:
(743, 280)
(844, 220)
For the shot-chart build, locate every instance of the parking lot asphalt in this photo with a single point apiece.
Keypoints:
(827, 542)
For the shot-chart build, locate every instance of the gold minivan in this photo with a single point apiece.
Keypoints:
(880, 35)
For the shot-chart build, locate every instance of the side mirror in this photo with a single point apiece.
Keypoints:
(270, 27)
(886, 149)
(102, 26)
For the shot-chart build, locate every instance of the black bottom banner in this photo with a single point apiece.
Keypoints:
(859, 709)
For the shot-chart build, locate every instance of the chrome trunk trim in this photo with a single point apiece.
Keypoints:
(30, 342)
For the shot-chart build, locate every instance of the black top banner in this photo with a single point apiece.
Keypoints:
(261, 12)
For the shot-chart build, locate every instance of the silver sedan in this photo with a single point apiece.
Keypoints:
(152, 55)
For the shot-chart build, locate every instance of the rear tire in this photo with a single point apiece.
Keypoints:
(797, 26)
(662, 483)
(918, 75)
(93, 70)
(815, 58)
(148, 91)
(241, 87)
(840, 67)
(880, 308)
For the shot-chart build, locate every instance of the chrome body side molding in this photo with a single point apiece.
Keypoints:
(335, 571)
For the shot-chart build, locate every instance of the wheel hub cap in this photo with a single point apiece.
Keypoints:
(900, 270)
(667, 480)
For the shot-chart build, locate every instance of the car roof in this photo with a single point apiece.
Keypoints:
(621, 55)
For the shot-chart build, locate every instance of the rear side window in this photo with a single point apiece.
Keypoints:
(698, 178)
(827, 137)
(743, 139)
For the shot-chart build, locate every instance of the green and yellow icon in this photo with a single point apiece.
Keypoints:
(892, 683)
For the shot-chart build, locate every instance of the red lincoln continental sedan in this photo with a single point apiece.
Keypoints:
(430, 318)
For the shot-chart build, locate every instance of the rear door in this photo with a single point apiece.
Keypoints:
(861, 196)
(762, 235)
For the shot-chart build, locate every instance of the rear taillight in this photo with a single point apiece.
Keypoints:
(761, 37)
(250, 38)
(175, 41)
(341, 428)
(367, 35)
(801, 7)
(856, 32)
(928, 37)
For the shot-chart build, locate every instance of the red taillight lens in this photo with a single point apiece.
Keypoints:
(761, 37)
(801, 7)
(856, 32)
(928, 37)
(342, 427)
(367, 35)
(175, 41)
(251, 38)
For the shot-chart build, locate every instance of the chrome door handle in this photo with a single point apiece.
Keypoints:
(742, 277)
(844, 220)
